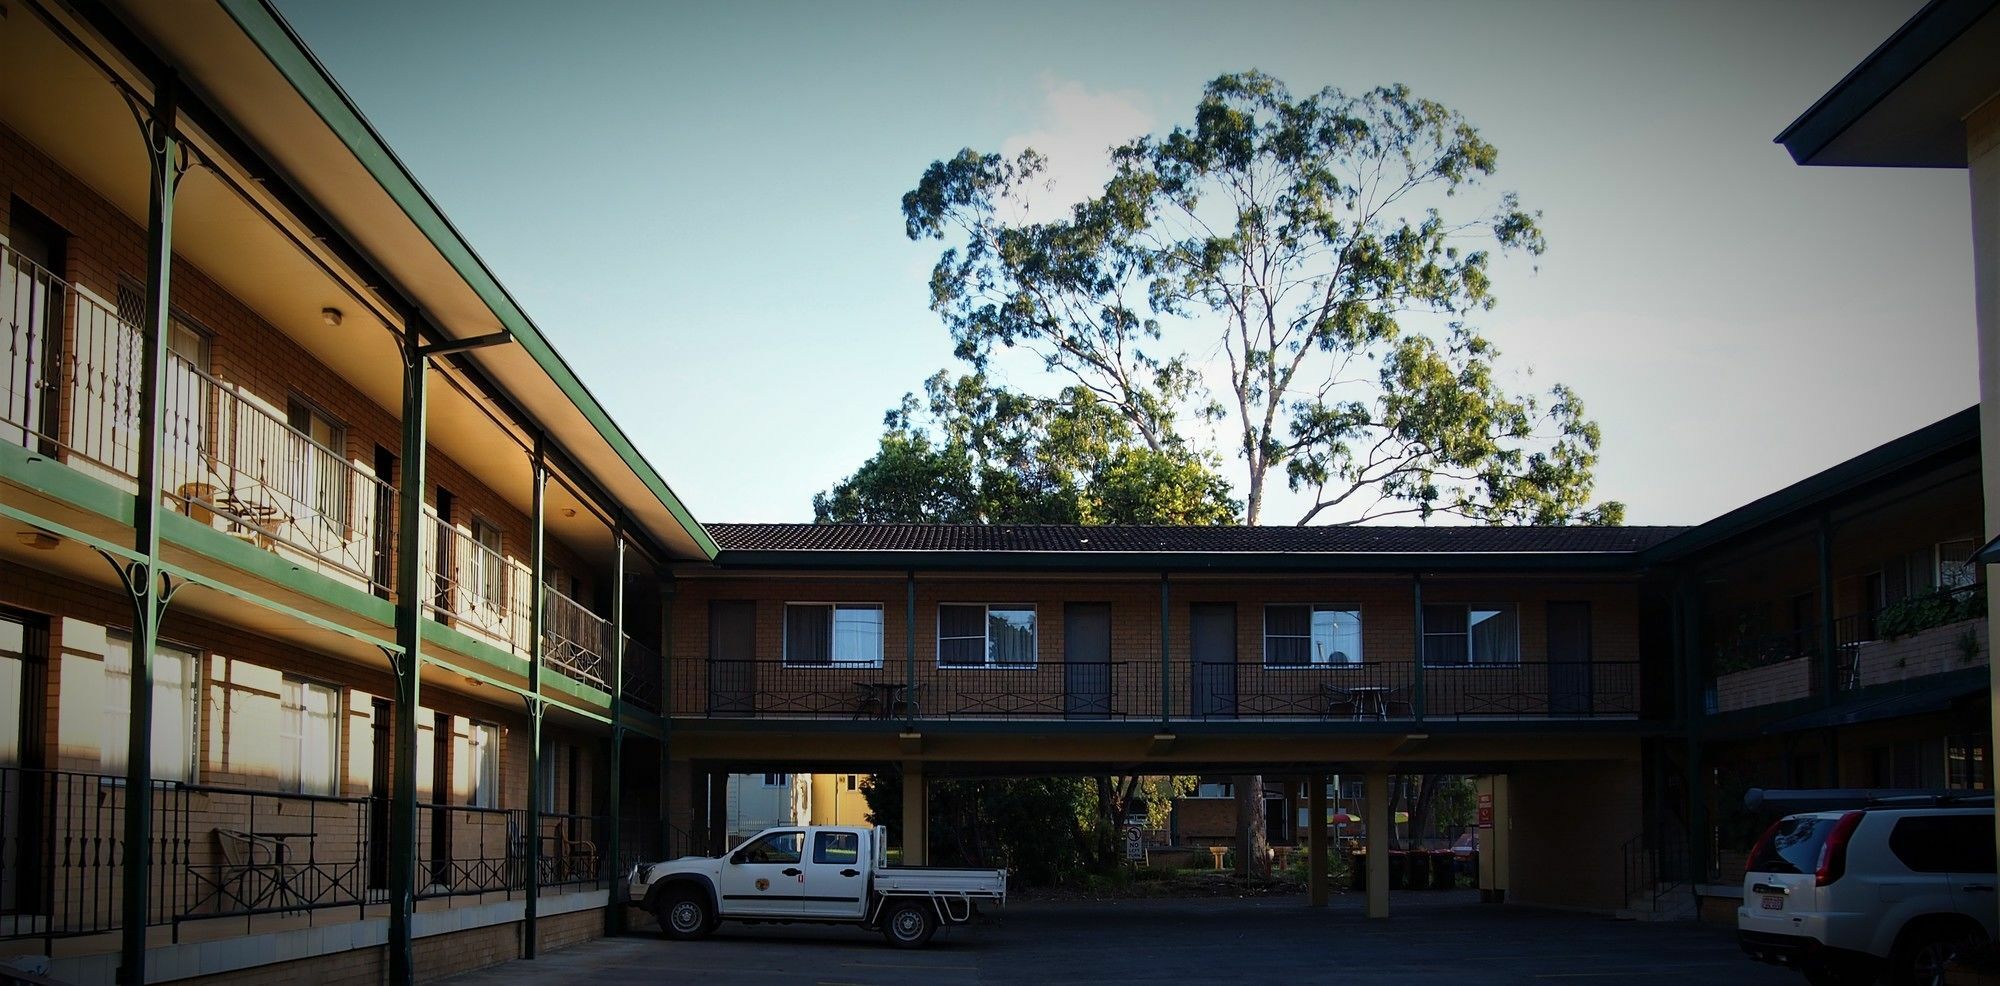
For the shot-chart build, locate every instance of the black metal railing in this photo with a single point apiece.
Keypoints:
(1193, 691)
(643, 679)
(575, 641)
(224, 852)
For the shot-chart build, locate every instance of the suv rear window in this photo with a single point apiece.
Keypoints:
(1793, 846)
(1944, 843)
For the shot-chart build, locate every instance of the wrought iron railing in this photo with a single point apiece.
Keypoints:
(474, 587)
(1194, 690)
(575, 641)
(224, 852)
(228, 459)
(643, 671)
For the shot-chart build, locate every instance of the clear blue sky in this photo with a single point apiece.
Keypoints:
(699, 204)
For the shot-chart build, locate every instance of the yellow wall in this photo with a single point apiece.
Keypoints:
(834, 804)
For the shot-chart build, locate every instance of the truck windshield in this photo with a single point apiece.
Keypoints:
(1793, 846)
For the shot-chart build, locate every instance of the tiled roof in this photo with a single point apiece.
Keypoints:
(1218, 540)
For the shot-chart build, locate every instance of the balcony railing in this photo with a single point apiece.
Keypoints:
(220, 853)
(575, 641)
(642, 676)
(228, 459)
(1132, 690)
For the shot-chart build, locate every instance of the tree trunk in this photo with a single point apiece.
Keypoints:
(1253, 856)
(1420, 807)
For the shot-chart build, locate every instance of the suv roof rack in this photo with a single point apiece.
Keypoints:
(1834, 799)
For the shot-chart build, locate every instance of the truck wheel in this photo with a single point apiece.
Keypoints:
(685, 917)
(909, 923)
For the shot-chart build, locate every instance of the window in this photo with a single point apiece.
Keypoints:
(483, 756)
(1224, 789)
(1456, 634)
(176, 691)
(833, 634)
(1301, 636)
(1965, 762)
(1956, 843)
(321, 471)
(489, 568)
(1954, 563)
(973, 635)
(309, 737)
(552, 756)
(840, 848)
(778, 847)
(851, 781)
(777, 780)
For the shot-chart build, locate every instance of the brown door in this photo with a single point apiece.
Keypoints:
(1212, 650)
(382, 730)
(1570, 692)
(1087, 660)
(732, 657)
(24, 642)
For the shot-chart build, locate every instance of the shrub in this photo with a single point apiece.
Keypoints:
(1935, 608)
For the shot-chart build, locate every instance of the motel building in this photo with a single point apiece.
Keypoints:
(344, 636)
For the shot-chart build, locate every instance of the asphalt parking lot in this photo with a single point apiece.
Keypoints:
(1429, 939)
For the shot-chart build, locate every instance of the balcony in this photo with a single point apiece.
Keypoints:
(1928, 634)
(232, 461)
(229, 460)
(224, 859)
(1133, 689)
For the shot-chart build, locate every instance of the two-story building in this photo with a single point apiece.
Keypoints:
(276, 452)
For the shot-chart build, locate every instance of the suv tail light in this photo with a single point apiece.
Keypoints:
(1757, 850)
(1833, 852)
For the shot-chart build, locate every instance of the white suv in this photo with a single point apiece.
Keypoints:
(1897, 888)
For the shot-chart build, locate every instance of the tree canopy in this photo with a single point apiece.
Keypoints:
(972, 453)
(1326, 248)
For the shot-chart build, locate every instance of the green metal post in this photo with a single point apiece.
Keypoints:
(410, 592)
(614, 914)
(1829, 664)
(1417, 693)
(142, 579)
(1166, 654)
(909, 652)
(537, 574)
(666, 594)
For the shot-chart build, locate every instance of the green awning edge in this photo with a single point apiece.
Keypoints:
(268, 29)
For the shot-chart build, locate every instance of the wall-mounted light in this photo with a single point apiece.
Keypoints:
(39, 540)
(330, 316)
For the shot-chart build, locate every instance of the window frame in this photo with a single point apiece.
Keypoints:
(986, 635)
(193, 685)
(833, 609)
(337, 703)
(1471, 660)
(483, 773)
(797, 833)
(1312, 663)
(497, 602)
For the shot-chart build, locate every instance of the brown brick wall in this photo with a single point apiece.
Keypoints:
(1387, 608)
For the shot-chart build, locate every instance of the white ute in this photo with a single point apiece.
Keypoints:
(827, 874)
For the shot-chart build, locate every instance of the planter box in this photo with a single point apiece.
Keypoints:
(1768, 685)
(1926, 652)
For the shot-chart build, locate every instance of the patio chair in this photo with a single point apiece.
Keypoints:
(248, 871)
(1338, 701)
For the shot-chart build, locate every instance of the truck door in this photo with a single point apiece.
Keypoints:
(766, 876)
(836, 875)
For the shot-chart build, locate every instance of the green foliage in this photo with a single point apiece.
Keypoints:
(1925, 610)
(1034, 826)
(972, 453)
(1322, 244)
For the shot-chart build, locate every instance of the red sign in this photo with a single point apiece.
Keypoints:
(1486, 811)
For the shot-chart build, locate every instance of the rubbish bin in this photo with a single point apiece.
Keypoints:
(1399, 870)
(1442, 864)
(1357, 871)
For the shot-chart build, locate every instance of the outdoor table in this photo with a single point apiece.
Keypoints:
(284, 890)
(1370, 701)
(882, 696)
